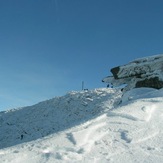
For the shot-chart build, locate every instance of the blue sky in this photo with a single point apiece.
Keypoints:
(48, 47)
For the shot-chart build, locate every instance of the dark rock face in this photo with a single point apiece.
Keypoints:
(143, 72)
(151, 82)
(115, 71)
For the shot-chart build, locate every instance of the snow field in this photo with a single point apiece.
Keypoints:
(111, 132)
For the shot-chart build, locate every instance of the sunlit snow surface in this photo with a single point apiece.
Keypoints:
(96, 126)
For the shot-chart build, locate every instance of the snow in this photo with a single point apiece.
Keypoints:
(137, 70)
(148, 66)
(99, 126)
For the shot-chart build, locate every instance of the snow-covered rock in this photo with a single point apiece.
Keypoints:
(143, 72)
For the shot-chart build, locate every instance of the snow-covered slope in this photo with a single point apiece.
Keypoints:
(30, 123)
(90, 126)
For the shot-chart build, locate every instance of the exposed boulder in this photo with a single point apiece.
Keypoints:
(143, 72)
(151, 82)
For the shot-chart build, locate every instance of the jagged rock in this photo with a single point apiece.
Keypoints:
(143, 72)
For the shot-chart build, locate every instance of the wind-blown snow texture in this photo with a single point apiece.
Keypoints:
(98, 125)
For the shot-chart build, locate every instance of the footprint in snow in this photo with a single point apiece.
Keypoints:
(124, 136)
(149, 111)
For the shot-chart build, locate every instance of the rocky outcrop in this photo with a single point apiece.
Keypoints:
(143, 72)
(150, 82)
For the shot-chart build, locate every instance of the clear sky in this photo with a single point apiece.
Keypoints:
(48, 47)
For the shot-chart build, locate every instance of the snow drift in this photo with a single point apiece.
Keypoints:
(96, 126)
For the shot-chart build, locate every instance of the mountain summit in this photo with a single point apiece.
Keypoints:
(143, 72)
